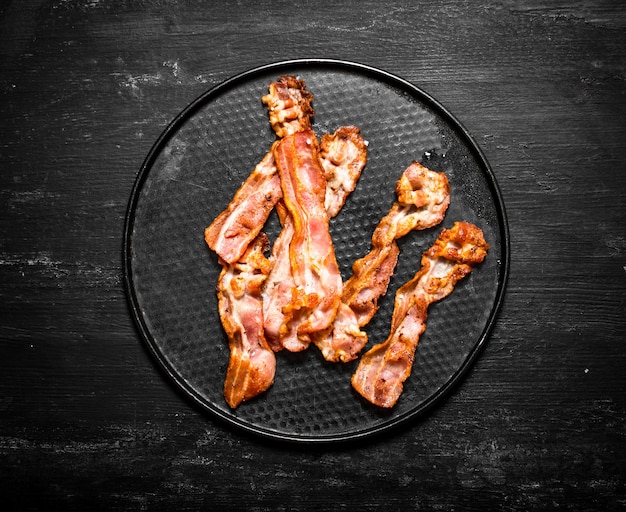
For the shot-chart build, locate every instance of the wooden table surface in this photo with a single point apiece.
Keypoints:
(88, 420)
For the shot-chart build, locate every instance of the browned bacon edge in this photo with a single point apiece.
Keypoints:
(252, 363)
(382, 370)
(423, 198)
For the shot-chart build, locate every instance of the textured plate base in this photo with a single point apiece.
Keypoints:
(191, 175)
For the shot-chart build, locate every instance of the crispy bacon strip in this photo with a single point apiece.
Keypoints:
(252, 363)
(289, 105)
(229, 235)
(383, 369)
(344, 339)
(318, 284)
(343, 156)
(423, 198)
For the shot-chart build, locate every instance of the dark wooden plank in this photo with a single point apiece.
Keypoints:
(87, 420)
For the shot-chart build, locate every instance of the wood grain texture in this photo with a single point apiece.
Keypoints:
(87, 420)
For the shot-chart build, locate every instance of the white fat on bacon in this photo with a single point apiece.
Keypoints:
(277, 289)
(342, 156)
(382, 370)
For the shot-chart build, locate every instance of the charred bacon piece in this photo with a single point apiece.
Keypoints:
(382, 370)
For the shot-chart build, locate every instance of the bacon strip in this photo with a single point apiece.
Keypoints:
(423, 198)
(289, 105)
(343, 156)
(230, 234)
(383, 369)
(276, 292)
(344, 339)
(252, 363)
(318, 284)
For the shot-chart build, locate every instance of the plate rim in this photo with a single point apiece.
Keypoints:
(174, 376)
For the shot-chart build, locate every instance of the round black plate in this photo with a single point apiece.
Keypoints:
(190, 176)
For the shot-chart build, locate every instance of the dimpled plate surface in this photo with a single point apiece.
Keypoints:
(190, 176)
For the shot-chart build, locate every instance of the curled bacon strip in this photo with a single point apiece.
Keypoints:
(318, 284)
(252, 363)
(423, 198)
(343, 156)
(383, 369)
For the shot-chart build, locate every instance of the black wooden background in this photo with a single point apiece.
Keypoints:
(87, 420)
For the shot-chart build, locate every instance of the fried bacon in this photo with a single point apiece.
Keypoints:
(314, 268)
(344, 339)
(382, 371)
(423, 197)
(276, 292)
(289, 105)
(297, 295)
(232, 231)
(252, 363)
(343, 156)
